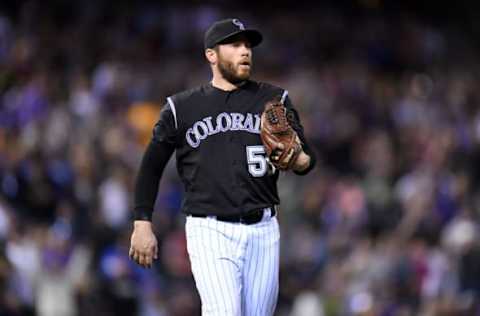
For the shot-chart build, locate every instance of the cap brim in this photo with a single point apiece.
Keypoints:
(253, 36)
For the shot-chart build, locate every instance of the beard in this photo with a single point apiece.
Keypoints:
(231, 73)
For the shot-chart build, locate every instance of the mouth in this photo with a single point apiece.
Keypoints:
(245, 64)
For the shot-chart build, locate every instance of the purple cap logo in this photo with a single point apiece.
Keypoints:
(238, 23)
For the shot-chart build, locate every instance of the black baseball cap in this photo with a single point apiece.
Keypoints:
(223, 30)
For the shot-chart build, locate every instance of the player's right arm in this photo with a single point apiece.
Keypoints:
(143, 243)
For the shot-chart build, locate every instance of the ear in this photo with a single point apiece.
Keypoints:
(211, 56)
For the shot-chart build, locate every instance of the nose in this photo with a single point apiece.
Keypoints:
(245, 49)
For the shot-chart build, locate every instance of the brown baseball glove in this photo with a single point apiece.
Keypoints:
(280, 140)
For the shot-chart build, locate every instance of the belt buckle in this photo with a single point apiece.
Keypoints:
(253, 218)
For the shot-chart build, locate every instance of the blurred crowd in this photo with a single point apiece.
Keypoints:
(386, 225)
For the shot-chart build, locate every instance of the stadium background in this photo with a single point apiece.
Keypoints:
(389, 96)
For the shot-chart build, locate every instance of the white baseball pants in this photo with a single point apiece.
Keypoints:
(235, 266)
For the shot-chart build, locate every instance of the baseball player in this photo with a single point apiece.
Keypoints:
(231, 194)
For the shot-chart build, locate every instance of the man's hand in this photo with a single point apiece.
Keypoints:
(302, 160)
(143, 244)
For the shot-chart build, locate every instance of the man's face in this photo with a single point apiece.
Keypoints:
(235, 60)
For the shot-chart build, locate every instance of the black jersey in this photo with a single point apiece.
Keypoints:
(219, 152)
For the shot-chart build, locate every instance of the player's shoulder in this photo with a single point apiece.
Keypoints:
(267, 87)
(187, 95)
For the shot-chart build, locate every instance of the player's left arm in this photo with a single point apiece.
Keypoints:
(306, 159)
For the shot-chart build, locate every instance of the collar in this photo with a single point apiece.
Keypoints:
(243, 85)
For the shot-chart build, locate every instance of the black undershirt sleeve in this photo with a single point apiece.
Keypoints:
(155, 158)
(294, 120)
(146, 187)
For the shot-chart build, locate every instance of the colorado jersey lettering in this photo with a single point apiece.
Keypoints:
(224, 122)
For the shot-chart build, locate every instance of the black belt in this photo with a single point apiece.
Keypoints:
(249, 218)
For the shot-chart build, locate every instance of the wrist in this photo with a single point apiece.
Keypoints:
(302, 162)
(142, 224)
(142, 214)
